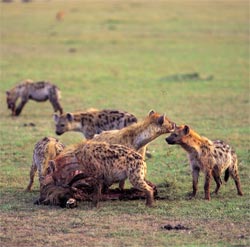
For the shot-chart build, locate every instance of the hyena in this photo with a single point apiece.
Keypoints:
(138, 135)
(93, 122)
(38, 91)
(210, 157)
(46, 149)
(110, 163)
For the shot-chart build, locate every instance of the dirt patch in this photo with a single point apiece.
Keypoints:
(91, 227)
(174, 227)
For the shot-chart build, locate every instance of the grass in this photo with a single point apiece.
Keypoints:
(118, 54)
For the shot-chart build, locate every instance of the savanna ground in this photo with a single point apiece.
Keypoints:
(126, 55)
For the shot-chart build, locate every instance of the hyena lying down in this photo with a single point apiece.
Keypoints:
(93, 121)
(138, 135)
(38, 91)
(46, 149)
(105, 163)
(211, 157)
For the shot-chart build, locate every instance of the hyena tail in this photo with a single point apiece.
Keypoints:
(226, 175)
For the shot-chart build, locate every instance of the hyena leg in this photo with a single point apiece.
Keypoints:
(218, 183)
(140, 184)
(122, 184)
(13, 110)
(55, 103)
(20, 107)
(234, 174)
(208, 176)
(217, 179)
(195, 174)
(33, 170)
(97, 193)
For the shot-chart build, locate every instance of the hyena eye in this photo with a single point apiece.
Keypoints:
(62, 125)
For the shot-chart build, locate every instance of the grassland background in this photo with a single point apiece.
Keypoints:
(119, 54)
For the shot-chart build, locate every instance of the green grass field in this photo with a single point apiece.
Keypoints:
(133, 56)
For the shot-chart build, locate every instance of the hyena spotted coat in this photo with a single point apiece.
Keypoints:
(210, 157)
(111, 163)
(46, 149)
(37, 91)
(138, 135)
(93, 122)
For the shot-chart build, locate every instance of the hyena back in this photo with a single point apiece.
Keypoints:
(37, 91)
(93, 122)
(46, 149)
(211, 157)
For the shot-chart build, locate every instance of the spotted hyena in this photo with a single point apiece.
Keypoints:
(210, 157)
(110, 163)
(138, 135)
(46, 149)
(38, 91)
(93, 122)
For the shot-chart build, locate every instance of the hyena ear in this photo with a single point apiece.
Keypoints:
(70, 117)
(55, 117)
(7, 93)
(186, 130)
(51, 168)
(161, 119)
(151, 112)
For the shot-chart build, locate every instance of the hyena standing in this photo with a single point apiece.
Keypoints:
(93, 122)
(46, 149)
(38, 91)
(211, 157)
(138, 135)
(110, 163)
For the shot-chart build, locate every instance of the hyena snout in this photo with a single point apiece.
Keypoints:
(58, 132)
(11, 106)
(170, 140)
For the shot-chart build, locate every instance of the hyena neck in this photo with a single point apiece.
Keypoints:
(145, 135)
(193, 142)
(80, 120)
(88, 125)
(21, 88)
(85, 118)
(77, 125)
(15, 96)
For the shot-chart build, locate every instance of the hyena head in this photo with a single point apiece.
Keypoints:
(161, 123)
(178, 135)
(11, 100)
(64, 123)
